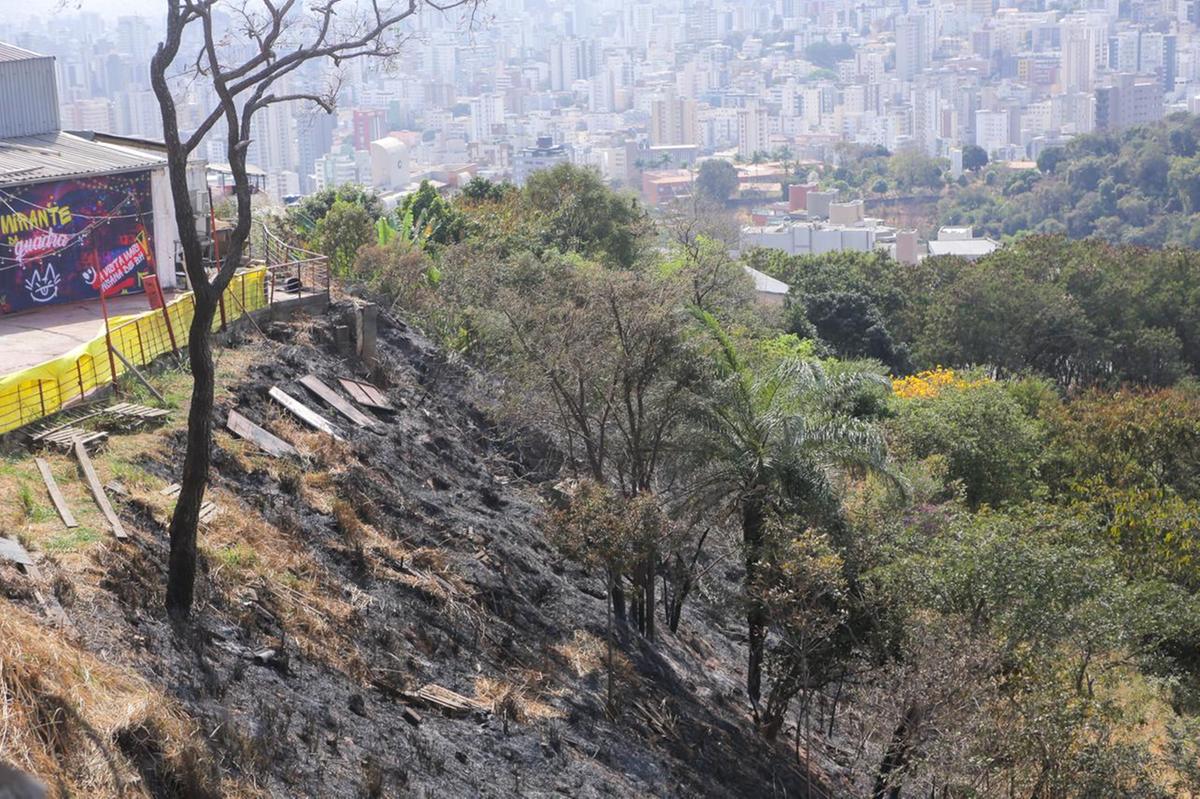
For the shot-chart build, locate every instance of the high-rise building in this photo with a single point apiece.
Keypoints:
(753, 130)
(991, 130)
(542, 155)
(673, 120)
(572, 59)
(912, 45)
(314, 139)
(1128, 100)
(1084, 49)
(487, 115)
(368, 126)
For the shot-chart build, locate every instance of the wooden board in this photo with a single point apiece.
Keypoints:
(449, 702)
(11, 549)
(89, 472)
(365, 394)
(335, 401)
(269, 443)
(60, 502)
(305, 413)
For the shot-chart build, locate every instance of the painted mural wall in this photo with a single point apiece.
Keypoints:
(68, 240)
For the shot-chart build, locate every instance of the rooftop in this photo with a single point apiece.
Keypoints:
(766, 284)
(59, 155)
(10, 52)
(966, 248)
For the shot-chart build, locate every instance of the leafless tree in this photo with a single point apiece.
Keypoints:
(244, 63)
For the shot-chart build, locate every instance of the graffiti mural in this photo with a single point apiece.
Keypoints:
(68, 241)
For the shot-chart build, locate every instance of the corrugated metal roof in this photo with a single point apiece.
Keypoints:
(55, 156)
(28, 94)
(10, 52)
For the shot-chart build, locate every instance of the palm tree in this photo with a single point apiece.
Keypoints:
(773, 443)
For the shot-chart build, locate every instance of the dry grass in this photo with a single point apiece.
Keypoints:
(73, 720)
(248, 552)
(520, 701)
(584, 652)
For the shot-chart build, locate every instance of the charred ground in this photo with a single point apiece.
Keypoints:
(335, 585)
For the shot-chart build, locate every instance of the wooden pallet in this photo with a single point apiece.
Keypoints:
(208, 510)
(365, 394)
(63, 420)
(447, 701)
(137, 413)
(64, 437)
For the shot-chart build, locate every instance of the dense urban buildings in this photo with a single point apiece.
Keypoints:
(644, 86)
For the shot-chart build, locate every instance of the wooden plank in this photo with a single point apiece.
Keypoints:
(89, 472)
(334, 400)
(11, 549)
(244, 428)
(455, 704)
(365, 394)
(306, 414)
(60, 502)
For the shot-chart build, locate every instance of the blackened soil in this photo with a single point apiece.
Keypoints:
(440, 476)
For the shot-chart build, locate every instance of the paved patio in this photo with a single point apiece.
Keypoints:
(30, 338)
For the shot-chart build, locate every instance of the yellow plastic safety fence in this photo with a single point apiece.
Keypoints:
(37, 392)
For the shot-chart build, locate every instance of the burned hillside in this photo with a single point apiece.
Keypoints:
(379, 616)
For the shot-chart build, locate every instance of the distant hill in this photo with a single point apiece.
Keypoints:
(1140, 186)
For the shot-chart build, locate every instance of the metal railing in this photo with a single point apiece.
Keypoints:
(293, 271)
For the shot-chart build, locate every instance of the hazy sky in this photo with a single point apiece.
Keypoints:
(24, 8)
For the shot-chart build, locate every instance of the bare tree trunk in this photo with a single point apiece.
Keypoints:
(648, 591)
(249, 82)
(181, 574)
(898, 754)
(753, 522)
(618, 597)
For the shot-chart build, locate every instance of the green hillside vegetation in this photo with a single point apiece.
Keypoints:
(1140, 186)
(1080, 313)
(957, 502)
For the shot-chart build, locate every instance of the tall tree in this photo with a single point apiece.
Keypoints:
(274, 39)
(717, 179)
(774, 437)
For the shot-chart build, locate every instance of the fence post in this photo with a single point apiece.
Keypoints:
(170, 330)
(141, 346)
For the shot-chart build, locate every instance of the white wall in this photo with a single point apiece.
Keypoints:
(165, 233)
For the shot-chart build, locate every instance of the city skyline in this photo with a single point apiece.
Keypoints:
(638, 90)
